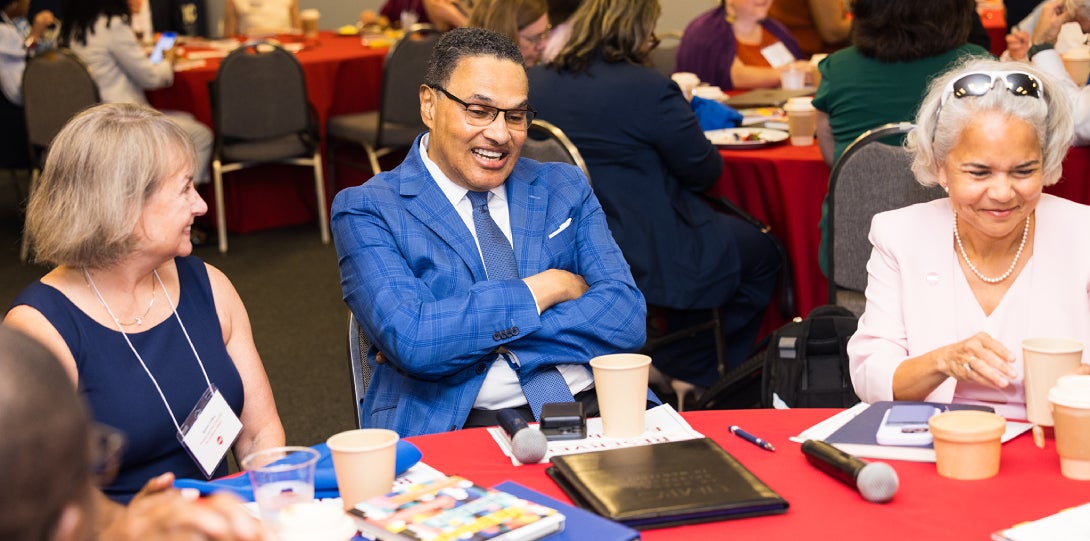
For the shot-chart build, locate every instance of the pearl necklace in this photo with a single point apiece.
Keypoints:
(1005, 275)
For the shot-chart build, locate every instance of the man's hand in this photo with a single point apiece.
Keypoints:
(42, 21)
(555, 286)
(162, 513)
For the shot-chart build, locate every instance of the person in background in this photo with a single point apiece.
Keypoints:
(560, 13)
(524, 21)
(18, 39)
(484, 281)
(145, 330)
(241, 17)
(956, 284)
(736, 45)
(98, 31)
(898, 46)
(819, 26)
(1045, 55)
(651, 163)
(1063, 28)
(52, 457)
(442, 14)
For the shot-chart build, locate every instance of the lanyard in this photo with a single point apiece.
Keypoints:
(173, 309)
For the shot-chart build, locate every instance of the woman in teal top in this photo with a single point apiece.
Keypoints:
(898, 46)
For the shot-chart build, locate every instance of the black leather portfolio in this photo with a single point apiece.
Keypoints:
(664, 484)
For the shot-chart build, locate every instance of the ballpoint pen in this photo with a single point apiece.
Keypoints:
(737, 431)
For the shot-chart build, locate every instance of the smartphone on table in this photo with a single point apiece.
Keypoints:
(906, 424)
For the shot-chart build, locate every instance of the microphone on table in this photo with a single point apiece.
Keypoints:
(528, 445)
(876, 481)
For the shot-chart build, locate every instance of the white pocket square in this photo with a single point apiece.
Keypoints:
(562, 227)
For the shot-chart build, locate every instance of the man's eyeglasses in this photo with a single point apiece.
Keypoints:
(537, 38)
(1018, 83)
(482, 115)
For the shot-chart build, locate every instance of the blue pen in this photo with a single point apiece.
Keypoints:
(737, 431)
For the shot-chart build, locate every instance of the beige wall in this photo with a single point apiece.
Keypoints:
(675, 13)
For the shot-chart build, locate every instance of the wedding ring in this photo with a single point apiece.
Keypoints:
(968, 367)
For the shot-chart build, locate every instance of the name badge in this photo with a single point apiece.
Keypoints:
(777, 55)
(209, 431)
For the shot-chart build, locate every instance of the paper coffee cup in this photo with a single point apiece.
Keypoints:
(1046, 359)
(967, 443)
(1070, 400)
(309, 18)
(364, 461)
(1077, 64)
(620, 381)
(687, 82)
(801, 120)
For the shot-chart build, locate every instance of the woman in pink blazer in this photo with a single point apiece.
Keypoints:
(956, 284)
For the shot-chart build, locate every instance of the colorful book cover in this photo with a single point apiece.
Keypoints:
(454, 508)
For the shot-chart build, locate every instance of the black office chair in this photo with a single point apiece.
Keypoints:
(869, 177)
(56, 86)
(547, 143)
(262, 115)
(397, 122)
(358, 344)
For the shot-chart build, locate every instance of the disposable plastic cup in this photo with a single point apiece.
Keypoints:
(1046, 359)
(1070, 400)
(620, 381)
(967, 443)
(363, 461)
(281, 477)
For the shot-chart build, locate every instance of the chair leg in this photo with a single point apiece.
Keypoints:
(372, 156)
(221, 218)
(720, 341)
(319, 188)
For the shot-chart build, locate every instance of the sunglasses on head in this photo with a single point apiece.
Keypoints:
(1018, 83)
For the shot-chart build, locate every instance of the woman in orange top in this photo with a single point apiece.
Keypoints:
(820, 26)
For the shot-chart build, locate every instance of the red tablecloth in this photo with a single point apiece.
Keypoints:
(784, 186)
(342, 76)
(927, 506)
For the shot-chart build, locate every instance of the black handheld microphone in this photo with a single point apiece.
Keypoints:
(876, 481)
(528, 445)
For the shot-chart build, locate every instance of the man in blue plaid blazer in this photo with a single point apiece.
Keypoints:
(448, 343)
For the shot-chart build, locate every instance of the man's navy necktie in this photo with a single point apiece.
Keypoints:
(545, 385)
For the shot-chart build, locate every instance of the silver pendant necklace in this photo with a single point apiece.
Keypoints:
(136, 320)
(972, 267)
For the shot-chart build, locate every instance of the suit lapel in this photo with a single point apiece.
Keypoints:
(427, 203)
(527, 201)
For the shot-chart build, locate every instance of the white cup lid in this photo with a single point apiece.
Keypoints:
(1072, 391)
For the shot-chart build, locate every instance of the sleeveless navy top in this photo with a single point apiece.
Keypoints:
(120, 394)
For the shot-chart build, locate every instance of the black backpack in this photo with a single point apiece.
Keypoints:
(804, 363)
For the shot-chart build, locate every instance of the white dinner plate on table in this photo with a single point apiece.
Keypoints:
(746, 137)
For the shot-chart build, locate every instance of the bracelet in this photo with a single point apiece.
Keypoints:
(1038, 48)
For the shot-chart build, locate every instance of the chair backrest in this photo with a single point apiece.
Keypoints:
(870, 177)
(664, 57)
(260, 93)
(547, 143)
(358, 344)
(402, 76)
(56, 86)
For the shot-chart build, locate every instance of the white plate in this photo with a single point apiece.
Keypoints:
(743, 137)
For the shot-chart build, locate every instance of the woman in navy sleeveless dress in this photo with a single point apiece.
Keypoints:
(143, 328)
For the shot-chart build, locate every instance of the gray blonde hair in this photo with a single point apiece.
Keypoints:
(101, 169)
(1050, 116)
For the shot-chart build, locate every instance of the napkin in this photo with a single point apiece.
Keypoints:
(713, 115)
(325, 480)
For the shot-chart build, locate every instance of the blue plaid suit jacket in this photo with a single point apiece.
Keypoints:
(412, 274)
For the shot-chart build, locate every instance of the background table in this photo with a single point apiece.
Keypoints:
(1029, 485)
(784, 186)
(342, 77)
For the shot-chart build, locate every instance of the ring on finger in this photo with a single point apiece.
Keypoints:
(968, 367)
